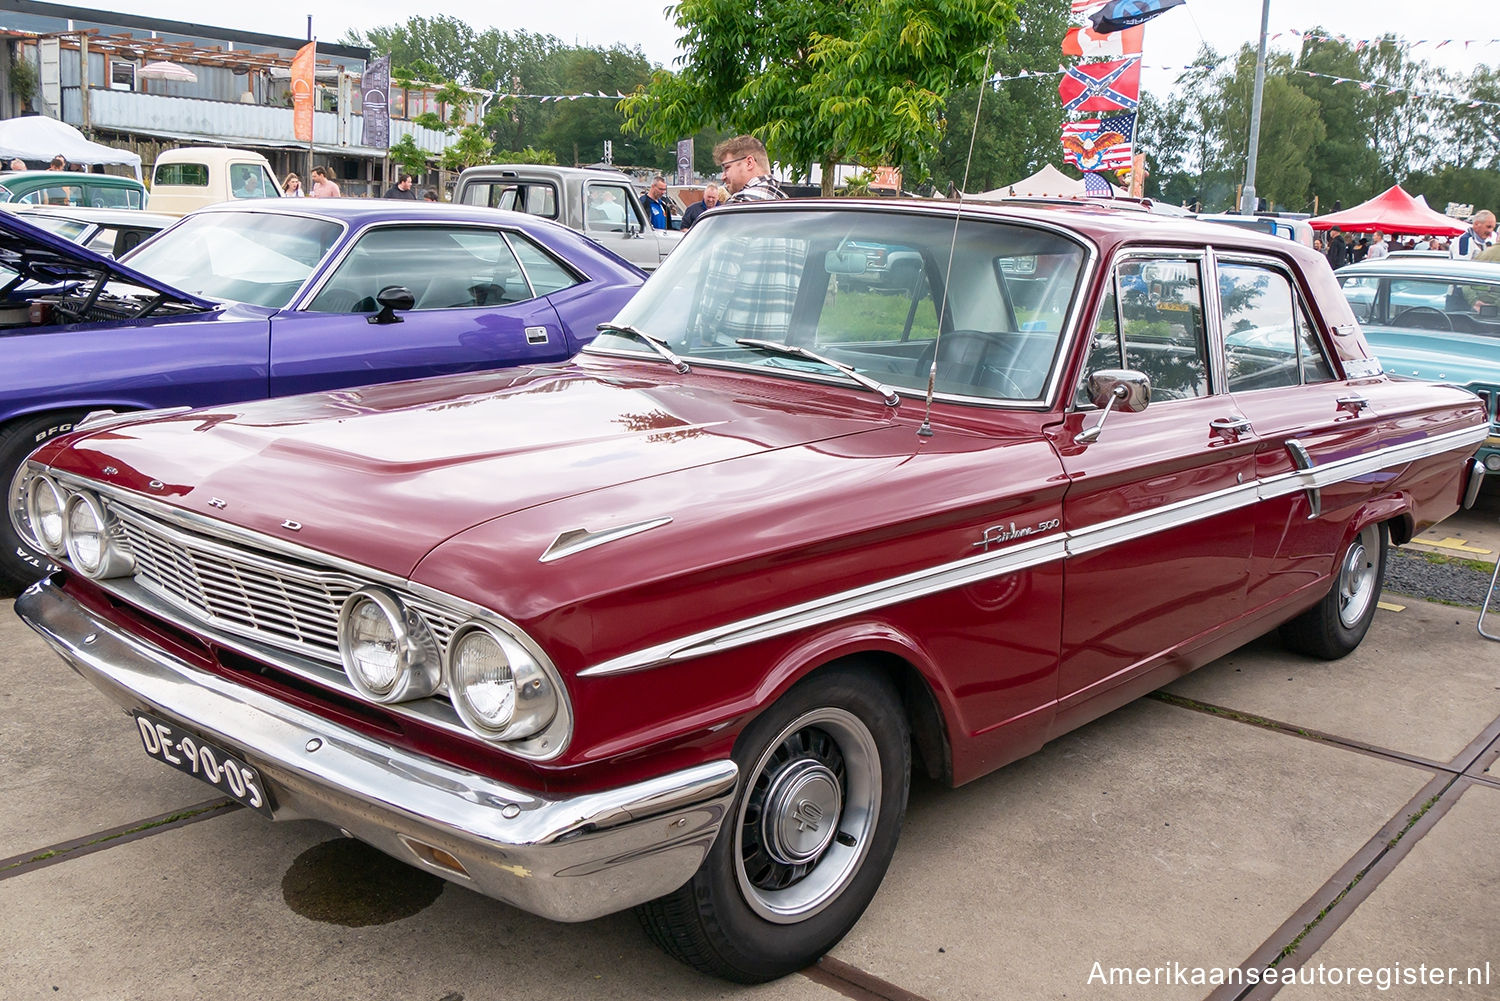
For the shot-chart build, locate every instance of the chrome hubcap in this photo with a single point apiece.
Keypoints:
(1357, 577)
(801, 812)
(805, 823)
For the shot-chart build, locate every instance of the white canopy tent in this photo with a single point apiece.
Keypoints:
(36, 137)
(1049, 182)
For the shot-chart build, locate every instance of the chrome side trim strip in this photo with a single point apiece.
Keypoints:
(1025, 556)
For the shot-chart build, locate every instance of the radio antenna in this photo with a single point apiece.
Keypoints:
(925, 430)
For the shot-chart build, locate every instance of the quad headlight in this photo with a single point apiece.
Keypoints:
(497, 687)
(388, 650)
(92, 548)
(46, 508)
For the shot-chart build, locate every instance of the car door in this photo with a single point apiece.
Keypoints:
(612, 217)
(1303, 416)
(1157, 543)
(474, 307)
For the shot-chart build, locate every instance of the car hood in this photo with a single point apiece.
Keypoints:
(381, 475)
(45, 257)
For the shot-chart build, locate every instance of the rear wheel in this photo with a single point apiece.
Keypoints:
(1335, 626)
(22, 564)
(824, 777)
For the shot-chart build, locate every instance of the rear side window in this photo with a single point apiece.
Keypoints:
(1268, 341)
(547, 275)
(189, 175)
(113, 197)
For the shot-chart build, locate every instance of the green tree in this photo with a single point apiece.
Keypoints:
(847, 80)
(408, 156)
(1019, 120)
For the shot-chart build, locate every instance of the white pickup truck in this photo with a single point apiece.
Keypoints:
(601, 204)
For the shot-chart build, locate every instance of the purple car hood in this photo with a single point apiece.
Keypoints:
(44, 257)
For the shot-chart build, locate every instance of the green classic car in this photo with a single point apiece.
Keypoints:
(1434, 319)
(72, 187)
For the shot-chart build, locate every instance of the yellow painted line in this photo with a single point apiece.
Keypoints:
(1458, 546)
(1390, 607)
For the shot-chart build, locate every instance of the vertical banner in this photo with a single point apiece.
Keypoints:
(684, 161)
(374, 86)
(302, 92)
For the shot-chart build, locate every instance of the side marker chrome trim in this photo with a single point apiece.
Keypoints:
(1012, 559)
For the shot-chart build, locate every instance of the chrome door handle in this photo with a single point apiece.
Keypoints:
(1230, 426)
(1353, 404)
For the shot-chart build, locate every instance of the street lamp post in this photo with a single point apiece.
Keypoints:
(1247, 195)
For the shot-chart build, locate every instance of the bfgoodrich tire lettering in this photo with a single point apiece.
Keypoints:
(823, 784)
(1335, 626)
(20, 563)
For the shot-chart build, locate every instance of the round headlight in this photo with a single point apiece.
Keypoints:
(496, 686)
(91, 550)
(46, 506)
(388, 651)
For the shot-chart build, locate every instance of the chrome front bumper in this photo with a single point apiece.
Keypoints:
(569, 859)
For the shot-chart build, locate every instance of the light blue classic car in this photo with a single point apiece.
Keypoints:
(1437, 320)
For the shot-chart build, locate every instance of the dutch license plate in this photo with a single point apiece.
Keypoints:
(204, 760)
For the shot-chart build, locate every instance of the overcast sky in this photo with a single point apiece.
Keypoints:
(1171, 40)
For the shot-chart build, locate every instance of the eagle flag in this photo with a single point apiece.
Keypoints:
(1089, 44)
(1117, 15)
(1112, 86)
(1100, 144)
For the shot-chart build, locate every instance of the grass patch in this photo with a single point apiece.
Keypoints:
(170, 818)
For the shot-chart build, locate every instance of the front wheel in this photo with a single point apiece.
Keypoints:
(21, 563)
(824, 778)
(1335, 626)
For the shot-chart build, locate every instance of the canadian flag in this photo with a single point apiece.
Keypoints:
(1089, 44)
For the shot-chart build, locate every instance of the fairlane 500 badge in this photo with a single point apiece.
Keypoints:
(1005, 533)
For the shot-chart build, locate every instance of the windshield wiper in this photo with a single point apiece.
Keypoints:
(654, 343)
(776, 347)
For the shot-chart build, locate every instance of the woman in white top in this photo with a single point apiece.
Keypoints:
(291, 186)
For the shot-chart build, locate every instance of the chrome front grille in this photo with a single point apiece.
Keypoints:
(282, 602)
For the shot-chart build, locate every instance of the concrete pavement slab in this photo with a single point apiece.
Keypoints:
(202, 912)
(1437, 908)
(1423, 682)
(73, 763)
(1155, 835)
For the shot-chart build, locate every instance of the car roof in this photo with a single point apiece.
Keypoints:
(99, 216)
(75, 176)
(1093, 219)
(1425, 267)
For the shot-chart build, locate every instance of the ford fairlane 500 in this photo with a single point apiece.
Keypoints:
(240, 303)
(667, 626)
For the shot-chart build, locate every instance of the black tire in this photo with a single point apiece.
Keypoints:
(1335, 626)
(770, 899)
(22, 564)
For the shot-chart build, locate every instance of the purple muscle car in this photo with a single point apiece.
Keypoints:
(241, 302)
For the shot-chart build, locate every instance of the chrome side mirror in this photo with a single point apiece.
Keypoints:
(1112, 388)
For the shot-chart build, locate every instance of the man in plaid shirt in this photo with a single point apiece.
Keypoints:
(747, 170)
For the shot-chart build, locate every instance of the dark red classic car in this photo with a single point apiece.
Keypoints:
(667, 626)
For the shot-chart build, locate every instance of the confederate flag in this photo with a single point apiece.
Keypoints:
(1112, 86)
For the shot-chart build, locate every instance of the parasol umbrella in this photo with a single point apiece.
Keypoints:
(164, 70)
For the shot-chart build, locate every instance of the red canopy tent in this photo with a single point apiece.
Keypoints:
(1392, 211)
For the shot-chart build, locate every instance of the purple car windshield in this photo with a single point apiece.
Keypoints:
(239, 257)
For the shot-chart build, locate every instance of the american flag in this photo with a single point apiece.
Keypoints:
(1087, 6)
(1086, 152)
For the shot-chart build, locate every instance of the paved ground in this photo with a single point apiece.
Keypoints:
(1265, 802)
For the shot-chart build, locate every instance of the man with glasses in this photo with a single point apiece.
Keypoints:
(747, 170)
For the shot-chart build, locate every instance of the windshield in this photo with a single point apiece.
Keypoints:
(239, 256)
(865, 288)
(68, 229)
